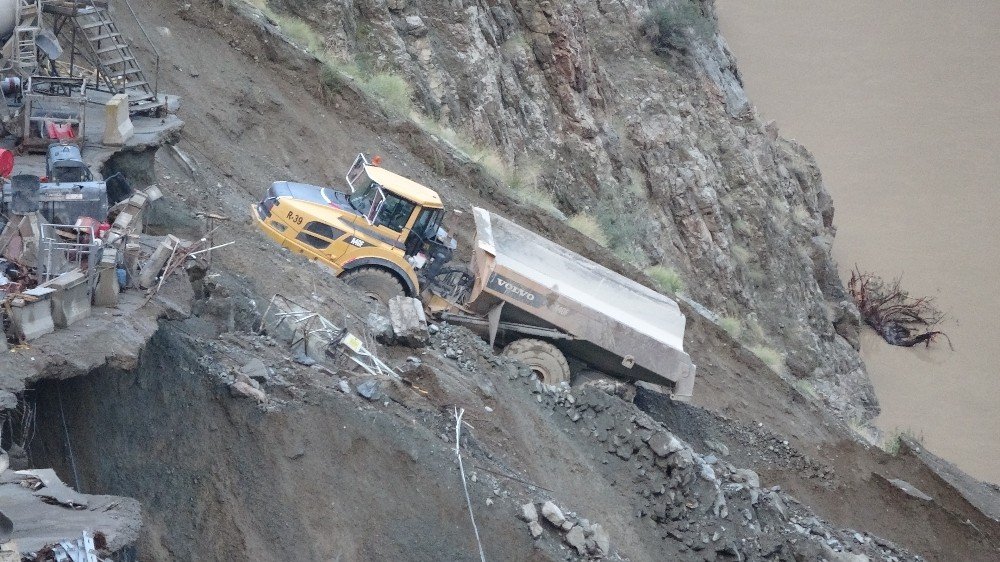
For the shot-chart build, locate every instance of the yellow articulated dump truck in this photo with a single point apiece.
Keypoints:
(538, 300)
(376, 238)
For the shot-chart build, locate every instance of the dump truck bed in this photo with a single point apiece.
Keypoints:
(610, 321)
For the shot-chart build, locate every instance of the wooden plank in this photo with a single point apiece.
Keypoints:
(9, 232)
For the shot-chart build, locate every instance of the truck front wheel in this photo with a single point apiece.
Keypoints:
(544, 359)
(376, 284)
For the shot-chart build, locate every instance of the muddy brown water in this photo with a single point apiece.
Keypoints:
(897, 100)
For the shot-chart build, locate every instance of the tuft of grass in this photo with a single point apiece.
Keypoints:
(300, 32)
(772, 357)
(672, 27)
(806, 388)
(666, 279)
(894, 441)
(754, 330)
(741, 254)
(633, 254)
(540, 198)
(392, 92)
(731, 326)
(866, 431)
(587, 225)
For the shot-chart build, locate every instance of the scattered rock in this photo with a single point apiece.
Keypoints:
(529, 513)
(303, 359)
(369, 390)
(552, 512)
(910, 489)
(256, 370)
(718, 447)
(414, 25)
(601, 539)
(380, 327)
(663, 443)
(344, 386)
(535, 528)
(241, 388)
(409, 323)
(577, 540)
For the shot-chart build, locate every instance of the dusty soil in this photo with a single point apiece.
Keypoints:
(330, 476)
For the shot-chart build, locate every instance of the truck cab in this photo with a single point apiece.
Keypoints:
(379, 237)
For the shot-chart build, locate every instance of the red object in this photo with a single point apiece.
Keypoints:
(59, 131)
(6, 162)
(377, 160)
(104, 227)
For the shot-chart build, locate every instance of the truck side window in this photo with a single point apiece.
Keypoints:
(324, 230)
(395, 212)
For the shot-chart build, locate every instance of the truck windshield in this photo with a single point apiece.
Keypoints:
(70, 173)
(361, 200)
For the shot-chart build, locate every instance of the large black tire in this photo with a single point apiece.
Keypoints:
(544, 359)
(376, 284)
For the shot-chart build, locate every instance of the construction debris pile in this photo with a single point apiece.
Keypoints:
(51, 274)
(57, 510)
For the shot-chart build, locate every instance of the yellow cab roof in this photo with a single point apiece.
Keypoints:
(405, 187)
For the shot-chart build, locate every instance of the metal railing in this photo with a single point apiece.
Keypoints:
(156, 52)
(65, 247)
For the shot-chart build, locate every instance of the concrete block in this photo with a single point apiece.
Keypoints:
(107, 289)
(133, 253)
(32, 320)
(71, 301)
(118, 126)
(151, 269)
(123, 220)
(409, 322)
(138, 200)
(113, 237)
(153, 193)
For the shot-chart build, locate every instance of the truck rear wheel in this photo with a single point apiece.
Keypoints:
(544, 359)
(376, 284)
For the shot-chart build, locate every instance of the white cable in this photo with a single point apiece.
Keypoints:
(461, 468)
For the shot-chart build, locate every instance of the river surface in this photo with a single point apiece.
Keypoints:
(899, 100)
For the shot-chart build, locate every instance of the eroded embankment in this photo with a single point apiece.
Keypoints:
(221, 479)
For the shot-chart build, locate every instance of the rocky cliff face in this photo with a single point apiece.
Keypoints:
(632, 112)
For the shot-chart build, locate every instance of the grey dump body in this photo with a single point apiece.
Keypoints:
(524, 282)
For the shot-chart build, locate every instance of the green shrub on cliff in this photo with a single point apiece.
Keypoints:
(666, 279)
(392, 92)
(672, 25)
(587, 225)
(771, 356)
(731, 326)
